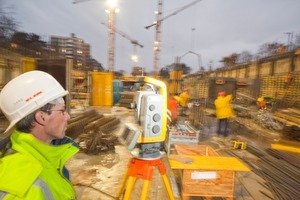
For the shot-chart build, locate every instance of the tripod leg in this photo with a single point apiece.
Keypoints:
(130, 184)
(145, 189)
(163, 171)
(123, 184)
(168, 186)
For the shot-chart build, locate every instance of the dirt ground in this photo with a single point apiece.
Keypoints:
(99, 177)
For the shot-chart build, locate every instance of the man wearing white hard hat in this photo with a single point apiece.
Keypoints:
(33, 168)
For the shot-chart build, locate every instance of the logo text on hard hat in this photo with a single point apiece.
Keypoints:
(33, 96)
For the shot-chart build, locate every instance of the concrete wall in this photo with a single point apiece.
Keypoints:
(282, 66)
(271, 73)
(265, 69)
(297, 64)
(276, 65)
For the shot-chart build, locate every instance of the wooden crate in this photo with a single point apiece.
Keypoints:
(205, 183)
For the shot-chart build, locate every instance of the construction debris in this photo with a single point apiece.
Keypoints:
(97, 142)
(93, 131)
(126, 99)
(265, 119)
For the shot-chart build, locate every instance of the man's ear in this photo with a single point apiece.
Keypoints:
(39, 118)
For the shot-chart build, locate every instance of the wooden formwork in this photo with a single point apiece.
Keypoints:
(205, 183)
(278, 88)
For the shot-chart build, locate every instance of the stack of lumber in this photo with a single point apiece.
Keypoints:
(288, 116)
(291, 118)
(126, 99)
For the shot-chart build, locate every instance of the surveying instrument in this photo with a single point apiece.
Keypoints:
(146, 138)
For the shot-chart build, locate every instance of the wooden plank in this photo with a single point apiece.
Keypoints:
(288, 117)
(294, 110)
(195, 150)
(285, 121)
(208, 163)
(285, 148)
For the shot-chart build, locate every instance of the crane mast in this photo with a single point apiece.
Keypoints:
(132, 41)
(111, 40)
(157, 24)
(111, 32)
(157, 40)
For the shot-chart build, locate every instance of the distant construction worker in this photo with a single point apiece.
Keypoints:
(184, 98)
(261, 103)
(223, 112)
(33, 167)
(173, 109)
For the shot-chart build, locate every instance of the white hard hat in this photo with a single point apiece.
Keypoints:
(27, 93)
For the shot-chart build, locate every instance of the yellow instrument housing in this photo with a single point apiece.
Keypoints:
(161, 86)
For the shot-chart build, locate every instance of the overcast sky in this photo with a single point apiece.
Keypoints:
(212, 28)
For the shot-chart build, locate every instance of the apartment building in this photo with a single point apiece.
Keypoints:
(71, 47)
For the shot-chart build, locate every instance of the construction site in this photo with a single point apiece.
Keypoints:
(258, 160)
(136, 140)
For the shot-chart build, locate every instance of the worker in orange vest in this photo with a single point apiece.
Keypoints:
(261, 103)
(173, 109)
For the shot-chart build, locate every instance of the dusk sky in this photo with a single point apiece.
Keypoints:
(212, 29)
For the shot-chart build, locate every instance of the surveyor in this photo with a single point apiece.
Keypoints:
(223, 112)
(33, 168)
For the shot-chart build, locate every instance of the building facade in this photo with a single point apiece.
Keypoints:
(71, 47)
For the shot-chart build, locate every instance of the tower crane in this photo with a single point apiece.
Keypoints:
(133, 41)
(112, 10)
(158, 23)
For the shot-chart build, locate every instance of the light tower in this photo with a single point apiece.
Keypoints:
(112, 10)
(157, 42)
(157, 24)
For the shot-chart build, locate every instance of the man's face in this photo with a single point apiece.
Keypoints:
(56, 122)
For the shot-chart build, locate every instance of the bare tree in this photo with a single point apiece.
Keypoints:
(297, 41)
(8, 25)
(244, 57)
(230, 60)
(269, 49)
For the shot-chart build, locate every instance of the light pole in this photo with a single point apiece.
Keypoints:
(191, 52)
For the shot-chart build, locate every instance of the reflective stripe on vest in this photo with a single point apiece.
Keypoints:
(44, 188)
(2, 194)
(41, 185)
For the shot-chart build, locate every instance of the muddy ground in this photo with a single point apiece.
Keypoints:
(99, 177)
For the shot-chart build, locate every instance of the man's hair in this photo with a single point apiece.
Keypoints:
(26, 124)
